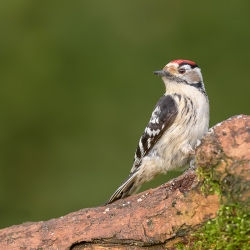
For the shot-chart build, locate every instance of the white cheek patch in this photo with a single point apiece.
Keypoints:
(195, 76)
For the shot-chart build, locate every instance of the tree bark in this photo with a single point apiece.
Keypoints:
(157, 218)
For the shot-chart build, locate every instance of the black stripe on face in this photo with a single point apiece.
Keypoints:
(200, 87)
(197, 85)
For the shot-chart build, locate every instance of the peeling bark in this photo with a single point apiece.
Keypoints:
(157, 218)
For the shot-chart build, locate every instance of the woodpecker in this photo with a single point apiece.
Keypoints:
(179, 119)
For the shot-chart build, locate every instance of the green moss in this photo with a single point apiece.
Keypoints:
(209, 186)
(230, 230)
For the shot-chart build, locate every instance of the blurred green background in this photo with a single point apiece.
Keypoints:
(77, 90)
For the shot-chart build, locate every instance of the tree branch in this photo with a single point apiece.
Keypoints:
(157, 218)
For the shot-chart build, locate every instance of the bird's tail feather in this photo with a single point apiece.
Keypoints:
(125, 190)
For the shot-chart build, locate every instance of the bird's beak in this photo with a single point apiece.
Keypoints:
(161, 73)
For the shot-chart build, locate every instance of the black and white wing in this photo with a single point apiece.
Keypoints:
(163, 116)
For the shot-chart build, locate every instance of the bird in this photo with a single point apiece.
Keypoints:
(179, 119)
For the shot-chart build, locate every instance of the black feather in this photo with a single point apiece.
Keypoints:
(163, 116)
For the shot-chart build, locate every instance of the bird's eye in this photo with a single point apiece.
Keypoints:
(182, 71)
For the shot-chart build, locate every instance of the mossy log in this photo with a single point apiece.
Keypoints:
(180, 214)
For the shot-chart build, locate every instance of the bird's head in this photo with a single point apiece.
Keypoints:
(182, 72)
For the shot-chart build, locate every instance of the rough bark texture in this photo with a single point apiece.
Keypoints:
(158, 218)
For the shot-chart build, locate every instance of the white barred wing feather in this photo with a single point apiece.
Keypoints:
(162, 118)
